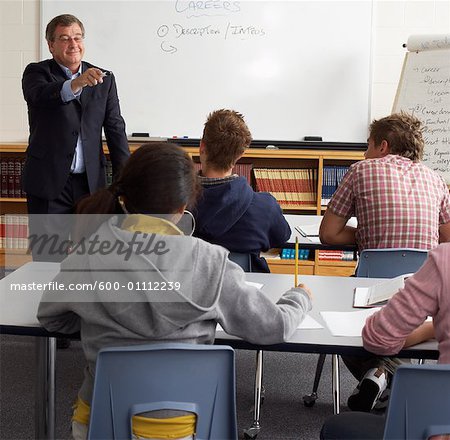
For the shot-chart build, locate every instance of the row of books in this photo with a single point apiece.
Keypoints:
(293, 188)
(244, 170)
(11, 173)
(241, 169)
(336, 255)
(289, 254)
(13, 231)
(332, 176)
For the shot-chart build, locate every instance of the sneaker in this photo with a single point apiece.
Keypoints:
(382, 402)
(368, 390)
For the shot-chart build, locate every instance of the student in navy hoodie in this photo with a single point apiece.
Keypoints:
(230, 213)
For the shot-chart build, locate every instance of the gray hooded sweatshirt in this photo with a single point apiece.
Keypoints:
(126, 304)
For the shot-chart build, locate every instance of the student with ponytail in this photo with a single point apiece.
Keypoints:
(131, 235)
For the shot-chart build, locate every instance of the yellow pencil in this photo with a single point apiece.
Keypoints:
(296, 262)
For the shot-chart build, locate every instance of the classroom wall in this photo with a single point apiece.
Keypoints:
(393, 22)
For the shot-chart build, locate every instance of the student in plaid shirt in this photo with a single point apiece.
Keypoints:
(398, 202)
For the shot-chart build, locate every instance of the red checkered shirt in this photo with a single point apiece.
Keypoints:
(398, 203)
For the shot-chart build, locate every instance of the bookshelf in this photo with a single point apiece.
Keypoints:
(313, 159)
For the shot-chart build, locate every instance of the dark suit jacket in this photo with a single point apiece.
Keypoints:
(55, 127)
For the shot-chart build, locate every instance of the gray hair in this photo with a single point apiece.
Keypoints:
(61, 20)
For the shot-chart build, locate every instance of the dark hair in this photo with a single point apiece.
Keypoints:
(158, 178)
(226, 137)
(61, 20)
(403, 133)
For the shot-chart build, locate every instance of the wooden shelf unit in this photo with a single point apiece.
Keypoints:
(312, 266)
(258, 157)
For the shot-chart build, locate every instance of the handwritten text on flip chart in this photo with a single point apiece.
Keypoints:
(425, 93)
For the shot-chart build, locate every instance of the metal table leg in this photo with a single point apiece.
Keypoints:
(335, 385)
(45, 388)
(310, 399)
(253, 431)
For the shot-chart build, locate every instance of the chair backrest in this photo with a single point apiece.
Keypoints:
(243, 259)
(389, 263)
(419, 404)
(136, 379)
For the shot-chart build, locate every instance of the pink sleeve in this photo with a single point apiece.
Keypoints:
(385, 331)
(444, 214)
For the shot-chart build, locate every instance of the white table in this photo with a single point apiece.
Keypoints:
(18, 316)
(329, 294)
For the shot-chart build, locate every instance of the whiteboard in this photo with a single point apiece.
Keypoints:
(424, 91)
(293, 68)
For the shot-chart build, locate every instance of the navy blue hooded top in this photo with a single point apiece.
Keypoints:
(232, 215)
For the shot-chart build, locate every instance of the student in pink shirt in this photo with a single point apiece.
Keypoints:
(401, 323)
(426, 293)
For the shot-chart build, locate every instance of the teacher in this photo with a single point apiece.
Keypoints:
(69, 103)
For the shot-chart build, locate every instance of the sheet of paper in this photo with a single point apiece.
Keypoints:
(361, 297)
(257, 285)
(309, 230)
(353, 222)
(309, 323)
(384, 291)
(347, 323)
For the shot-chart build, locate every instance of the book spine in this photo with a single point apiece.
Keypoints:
(4, 176)
(17, 177)
(2, 231)
(11, 178)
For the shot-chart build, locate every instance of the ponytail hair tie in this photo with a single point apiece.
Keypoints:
(122, 204)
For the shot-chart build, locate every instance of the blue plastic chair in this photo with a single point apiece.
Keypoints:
(419, 405)
(389, 263)
(136, 379)
(242, 259)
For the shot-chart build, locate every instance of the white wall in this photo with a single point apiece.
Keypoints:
(394, 21)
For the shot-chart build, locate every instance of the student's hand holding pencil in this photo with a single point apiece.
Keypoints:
(306, 289)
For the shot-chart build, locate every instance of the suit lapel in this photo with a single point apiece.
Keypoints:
(56, 70)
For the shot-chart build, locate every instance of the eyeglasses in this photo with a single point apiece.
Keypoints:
(65, 39)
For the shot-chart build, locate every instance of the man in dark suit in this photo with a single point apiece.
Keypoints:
(69, 103)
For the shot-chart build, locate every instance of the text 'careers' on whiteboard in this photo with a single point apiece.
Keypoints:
(424, 91)
(293, 68)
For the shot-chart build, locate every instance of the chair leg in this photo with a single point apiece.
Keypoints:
(310, 399)
(335, 383)
(253, 431)
(45, 390)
